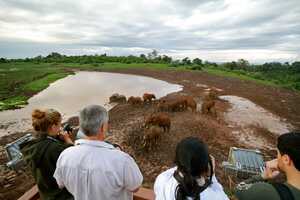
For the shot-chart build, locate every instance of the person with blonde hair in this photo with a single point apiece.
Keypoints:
(41, 153)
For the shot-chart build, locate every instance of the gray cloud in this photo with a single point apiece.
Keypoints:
(170, 26)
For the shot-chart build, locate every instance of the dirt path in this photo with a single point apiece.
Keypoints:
(126, 123)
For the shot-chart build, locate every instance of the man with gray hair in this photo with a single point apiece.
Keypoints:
(94, 169)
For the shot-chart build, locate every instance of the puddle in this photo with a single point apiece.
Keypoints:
(72, 93)
(245, 113)
(186, 81)
(201, 85)
(214, 88)
(249, 137)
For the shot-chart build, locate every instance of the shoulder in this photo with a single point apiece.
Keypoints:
(119, 155)
(165, 185)
(68, 154)
(56, 144)
(295, 191)
(256, 191)
(167, 174)
(164, 177)
(69, 150)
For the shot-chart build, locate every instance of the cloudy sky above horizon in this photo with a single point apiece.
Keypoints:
(214, 30)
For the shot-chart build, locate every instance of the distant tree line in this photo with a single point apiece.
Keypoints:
(242, 64)
(154, 57)
(151, 57)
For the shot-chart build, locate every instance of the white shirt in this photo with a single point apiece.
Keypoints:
(96, 170)
(165, 187)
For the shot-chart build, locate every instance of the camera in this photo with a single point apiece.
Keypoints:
(68, 128)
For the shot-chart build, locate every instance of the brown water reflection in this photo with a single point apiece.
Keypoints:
(245, 113)
(72, 93)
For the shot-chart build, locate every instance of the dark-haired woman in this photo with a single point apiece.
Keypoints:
(193, 176)
(42, 153)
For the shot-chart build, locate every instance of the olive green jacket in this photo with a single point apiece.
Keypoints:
(41, 155)
(256, 188)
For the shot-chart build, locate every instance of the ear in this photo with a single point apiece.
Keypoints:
(286, 160)
(290, 160)
(101, 130)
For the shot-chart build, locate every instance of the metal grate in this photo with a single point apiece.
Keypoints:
(14, 154)
(244, 162)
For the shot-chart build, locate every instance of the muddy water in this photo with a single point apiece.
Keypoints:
(245, 114)
(72, 93)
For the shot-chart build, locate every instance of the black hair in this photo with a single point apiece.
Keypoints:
(289, 144)
(193, 162)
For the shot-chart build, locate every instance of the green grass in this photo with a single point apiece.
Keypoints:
(134, 65)
(233, 74)
(12, 103)
(19, 81)
(283, 79)
(113, 65)
(42, 83)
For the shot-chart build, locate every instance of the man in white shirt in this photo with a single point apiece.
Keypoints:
(94, 169)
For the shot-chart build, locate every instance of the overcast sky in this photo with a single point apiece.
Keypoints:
(214, 30)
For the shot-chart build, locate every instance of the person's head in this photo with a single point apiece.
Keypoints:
(46, 121)
(192, 160)
(288, 156)
(93, 121)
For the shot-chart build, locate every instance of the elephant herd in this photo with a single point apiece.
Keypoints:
(158, 122)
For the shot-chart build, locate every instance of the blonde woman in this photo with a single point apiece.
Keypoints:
(42, 152)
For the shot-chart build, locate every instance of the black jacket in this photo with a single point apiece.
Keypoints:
(41, 154)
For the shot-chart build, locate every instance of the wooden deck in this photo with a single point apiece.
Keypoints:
(142, 194)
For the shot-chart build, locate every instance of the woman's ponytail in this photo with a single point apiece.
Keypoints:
(187, 186)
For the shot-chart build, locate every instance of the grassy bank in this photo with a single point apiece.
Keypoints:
(276, 78)
(237, 75)
(20, 80)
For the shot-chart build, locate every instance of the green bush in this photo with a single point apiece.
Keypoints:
(96, 65)
(195, 67)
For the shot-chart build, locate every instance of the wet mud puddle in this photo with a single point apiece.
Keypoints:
(246, 118)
